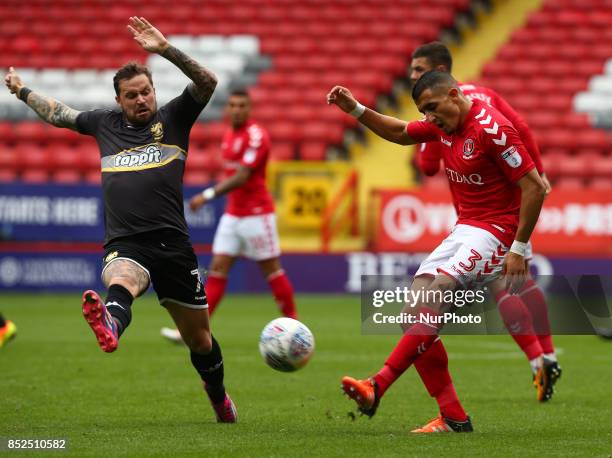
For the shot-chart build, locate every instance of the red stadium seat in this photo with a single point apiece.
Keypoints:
(283, 131)
(197, 178)
(35, 176)
(591, 138)
(603, 168)
(574, 166)
(93, 177)
(7, 132)
(32, 131)
(323, 132)
(88, 158)
(66, 176)
(213, 132)
(65, 158)
(35, 158)
(9, 159)
(7, 176)
(282, 151)
(196, 161)
(569, 184)
(313, 151)
(601, 184)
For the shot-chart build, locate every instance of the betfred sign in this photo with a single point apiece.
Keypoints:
(576, 222)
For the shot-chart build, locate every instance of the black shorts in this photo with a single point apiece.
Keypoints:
(168, 258)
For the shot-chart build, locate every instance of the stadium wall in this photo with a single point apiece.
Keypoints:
(310, 273)
(51, 240)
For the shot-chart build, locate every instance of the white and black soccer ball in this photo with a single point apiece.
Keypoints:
(286, 344)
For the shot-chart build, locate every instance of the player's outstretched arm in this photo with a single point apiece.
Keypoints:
(237, 180)
(50, 110)
(387, 127)
(152, 40)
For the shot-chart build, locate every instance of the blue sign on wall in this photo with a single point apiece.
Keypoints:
(75, 213)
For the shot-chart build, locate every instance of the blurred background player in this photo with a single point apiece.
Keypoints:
(497, 216)
(8, 330)
(143, 152)
(436, 56)
(248, 226)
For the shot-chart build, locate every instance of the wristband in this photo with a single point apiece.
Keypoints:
(23, 94)
(358, 110)
(209, 193)
(519, 248)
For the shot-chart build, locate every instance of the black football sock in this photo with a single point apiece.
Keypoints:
(210, 368)
(119, 305)
(2, 322)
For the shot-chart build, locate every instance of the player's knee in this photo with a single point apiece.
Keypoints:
(200, 343)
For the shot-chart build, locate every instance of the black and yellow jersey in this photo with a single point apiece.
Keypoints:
(142, 166)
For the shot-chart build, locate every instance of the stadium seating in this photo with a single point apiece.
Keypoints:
(557, 71)
(290, 56)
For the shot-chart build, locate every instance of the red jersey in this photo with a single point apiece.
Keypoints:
(429, 154)
(483, 160)
(248, 146)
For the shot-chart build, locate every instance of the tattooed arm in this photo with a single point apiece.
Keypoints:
(53, 111)
(50, 110)
(152, 40)
(204, 81)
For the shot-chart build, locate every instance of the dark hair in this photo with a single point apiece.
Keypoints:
(240, 92)
(430, 80)
(437, 53)
(129, 71)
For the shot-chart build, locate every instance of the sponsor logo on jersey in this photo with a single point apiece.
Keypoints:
(158, 131)
(512, 157)
(111, 256)
(249, 156)
(456, 177)
(151, 155)
(443, 140)
(468, 148)
(237, 144)
(255, 136)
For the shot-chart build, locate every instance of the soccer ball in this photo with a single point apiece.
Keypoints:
(286, 344)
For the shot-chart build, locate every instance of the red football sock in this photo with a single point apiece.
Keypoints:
(518, 322)
(413, 343)
(432, 366)
(283, 293)
(535, 300)
(215, 289)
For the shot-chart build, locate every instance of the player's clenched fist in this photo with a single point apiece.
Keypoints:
(196, 202)
(13, 81)
(342, 97)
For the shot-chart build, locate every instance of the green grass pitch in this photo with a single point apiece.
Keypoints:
(146, 400)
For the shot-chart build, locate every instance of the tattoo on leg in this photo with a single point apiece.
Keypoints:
(127, 271)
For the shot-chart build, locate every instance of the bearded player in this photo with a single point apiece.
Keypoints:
(248, 226)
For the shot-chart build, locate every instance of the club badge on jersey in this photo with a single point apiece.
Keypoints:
(468, 148)
(157, 130)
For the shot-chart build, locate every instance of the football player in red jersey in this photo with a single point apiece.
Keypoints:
(248, 226)
(436, 56)
(499, 194)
